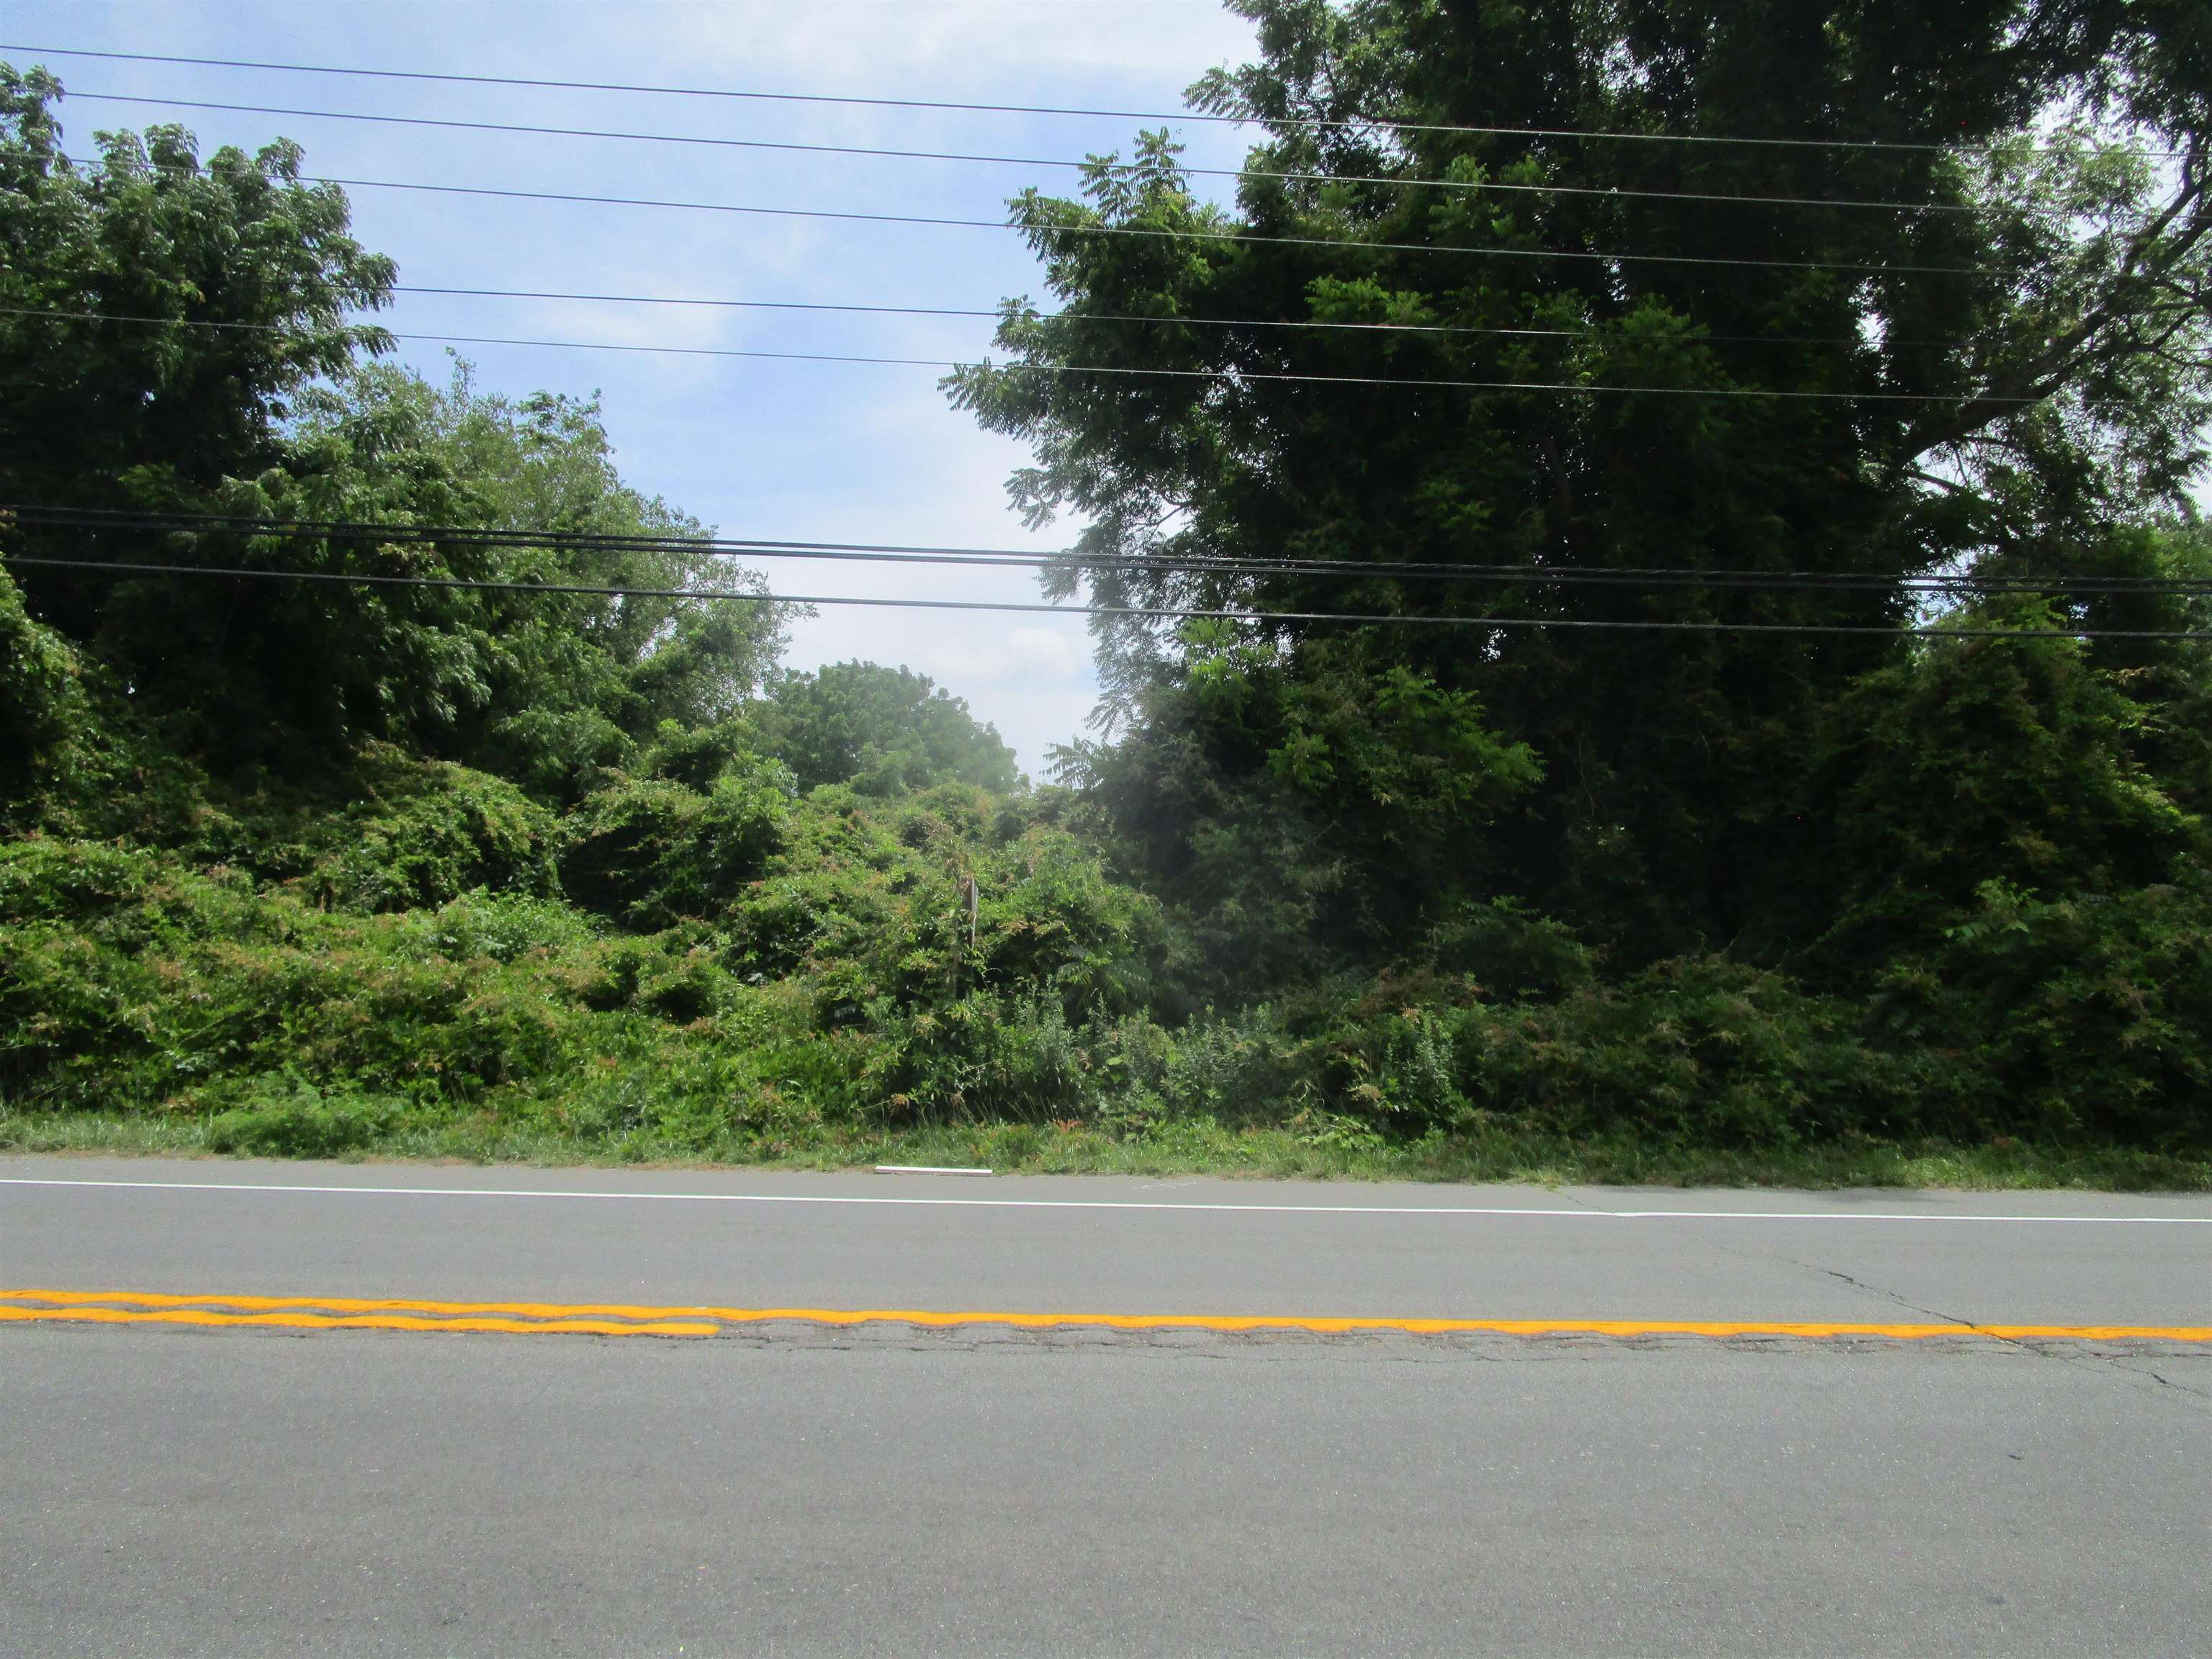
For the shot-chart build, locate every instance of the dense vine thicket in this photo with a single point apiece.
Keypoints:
(321, 862)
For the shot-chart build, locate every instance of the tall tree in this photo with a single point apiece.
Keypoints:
(181, 335)
(1860, 289)
(883, 730)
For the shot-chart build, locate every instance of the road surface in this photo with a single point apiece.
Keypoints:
(175, 1484)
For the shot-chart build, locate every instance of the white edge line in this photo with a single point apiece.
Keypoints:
(1578, 1213)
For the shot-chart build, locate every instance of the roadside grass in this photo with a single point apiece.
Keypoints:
(1197, 1146)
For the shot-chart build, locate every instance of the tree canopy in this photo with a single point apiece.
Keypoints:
(882, 730)
(175, 337)
(1752, 341)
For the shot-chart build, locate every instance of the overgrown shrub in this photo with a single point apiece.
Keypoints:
(2083, 1018)
(1508, 950)
(284, 1117)
(650, 852)
(502, 927)
(1975, 761)
(44, 710)
(1699, 1049)
(426, 832)
(985, 1058)
(128, 978)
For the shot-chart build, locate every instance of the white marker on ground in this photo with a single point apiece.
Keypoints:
(924, 1169)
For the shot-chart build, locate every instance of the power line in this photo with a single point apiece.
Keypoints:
(1238, 375)
(1149, 612)
(1312, 122)
(1232, 239)
(1068, 316)
(1012, 558)
(1136, 318)
(795, 146)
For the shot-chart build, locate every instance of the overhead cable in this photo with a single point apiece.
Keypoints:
(1363, 124)
(794, 146)
(1162, 613)
(247, 525)
(1333, 324)
(1232, 239)
(1571, 387)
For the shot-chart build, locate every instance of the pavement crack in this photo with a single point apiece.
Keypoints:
(2044, 1350)
(1887, 1295)
(2118, 1364)
(2092, 1360)
(1968, 1327)
(1856, 1284)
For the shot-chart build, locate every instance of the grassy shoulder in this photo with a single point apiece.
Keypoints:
(1191, 1148)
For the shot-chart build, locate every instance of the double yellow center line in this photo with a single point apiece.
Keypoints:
(621, 1319)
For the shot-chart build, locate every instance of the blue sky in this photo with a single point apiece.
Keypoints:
(829, 452)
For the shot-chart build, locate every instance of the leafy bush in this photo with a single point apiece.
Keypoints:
(1979, 760)
(2083, 1018)
(1304, 810)
(288, 1118)
(984, 1058)
(428, 832)
(649, 851)
(1509, 950)
(501, 927)
(129, 979)
(42, 704)
(1699, 1049)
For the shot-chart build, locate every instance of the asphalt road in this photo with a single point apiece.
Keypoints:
(1108, 1244)
(808, 1490)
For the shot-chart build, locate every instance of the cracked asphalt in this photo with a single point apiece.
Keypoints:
(792, 1488)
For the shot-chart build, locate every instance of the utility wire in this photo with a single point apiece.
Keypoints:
(1156, 322)
(1151, 612)
(1147, 564)
(1227, 239)
(1311, 123)
(1046, 316)
(793, 145)
(1239, 374)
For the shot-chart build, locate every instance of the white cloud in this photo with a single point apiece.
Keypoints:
(1032, 657)
(976, 47)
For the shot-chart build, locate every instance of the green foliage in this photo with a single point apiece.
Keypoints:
(422, 834)
(501, 928)
(1304, 809)
(544, 688)
(985, 1058)
(179, 341)
(2082, 1018)
(150, 230)
(2019, 424)
(883, 730)
(126, 978)
(318, 869)
(864, 906)
(1502, 949)
(1699, 1049)
(130, 980)
(287, 1118)
(1980, 761)
(650, 852)
(44, 709)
